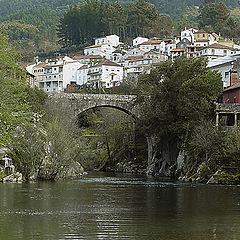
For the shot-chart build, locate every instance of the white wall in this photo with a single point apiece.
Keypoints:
(139, 40)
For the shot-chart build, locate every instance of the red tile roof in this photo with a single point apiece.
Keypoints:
(178, 50)
(93, 46)
(134, 58)
(236, 85)
(217, 45)
(107, 63)
(87, 56)
(151, 42)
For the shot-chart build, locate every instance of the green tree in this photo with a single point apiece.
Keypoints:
(215, 16)
(173, 97)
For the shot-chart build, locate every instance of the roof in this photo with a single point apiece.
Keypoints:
(217, 45)
(107, 63)
(151, 42)
(50, 66)
(152, 51)
(93, 46)
(200, 31)
(142, 59)
(226, 60)
(132, 58)
(83, 67)
(236, 85)
(87, 56)
(178, 50)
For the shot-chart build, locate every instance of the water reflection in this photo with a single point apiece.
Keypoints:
(109, 206)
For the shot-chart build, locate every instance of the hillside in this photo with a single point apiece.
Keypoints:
(32, 24)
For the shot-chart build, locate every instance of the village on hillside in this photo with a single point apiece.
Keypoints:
(109, 62)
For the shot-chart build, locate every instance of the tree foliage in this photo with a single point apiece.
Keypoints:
(17, 100)
(94, 18)
(215, 17)
(176, 94)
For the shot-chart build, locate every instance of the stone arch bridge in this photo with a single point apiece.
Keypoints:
(82, 102)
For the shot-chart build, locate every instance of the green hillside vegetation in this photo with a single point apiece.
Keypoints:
(31, 25)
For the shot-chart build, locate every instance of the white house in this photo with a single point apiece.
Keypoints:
(155, 56)
(58, 74)
(136, 61)
(188, 34)
(112, 40)
(217, 50)
(88, 59)
(82, 75)
(134, 52)
(178, 52)
(157, 45)
(224, 65)
(104, 50)
(139, 40)
(169, 47)
(105, 75)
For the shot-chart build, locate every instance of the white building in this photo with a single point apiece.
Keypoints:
(105, 75)
(104, 50)
(155, 56)
(136, 61)
(58, 74)
(139, 40)
(188, 34)
(217, 50)
(169, 47)
(224, 65)
(112, 40)
(134, 52)
(82, 75)
(156, 45)
(88, 59)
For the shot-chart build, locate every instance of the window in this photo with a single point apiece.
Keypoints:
(225, 52)
(226, 74)
(235, 99)
(203, 35)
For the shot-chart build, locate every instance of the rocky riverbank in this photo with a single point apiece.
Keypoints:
(8, 172)
(203, 174)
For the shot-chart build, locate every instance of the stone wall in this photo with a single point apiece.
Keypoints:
(82, 102)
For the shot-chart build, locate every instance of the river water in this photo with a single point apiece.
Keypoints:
(111, 206)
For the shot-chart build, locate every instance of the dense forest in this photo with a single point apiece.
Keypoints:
(31, 25)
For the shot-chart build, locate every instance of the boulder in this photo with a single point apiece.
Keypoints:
(75, 170)
(15, 177)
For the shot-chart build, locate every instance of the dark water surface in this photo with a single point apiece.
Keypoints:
(110, 206)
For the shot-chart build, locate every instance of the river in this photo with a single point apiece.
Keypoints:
(115, 206)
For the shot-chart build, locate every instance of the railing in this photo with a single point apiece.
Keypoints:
(235, 107)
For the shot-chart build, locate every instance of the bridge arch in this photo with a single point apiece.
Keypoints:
(82, 102)
(130, 113)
